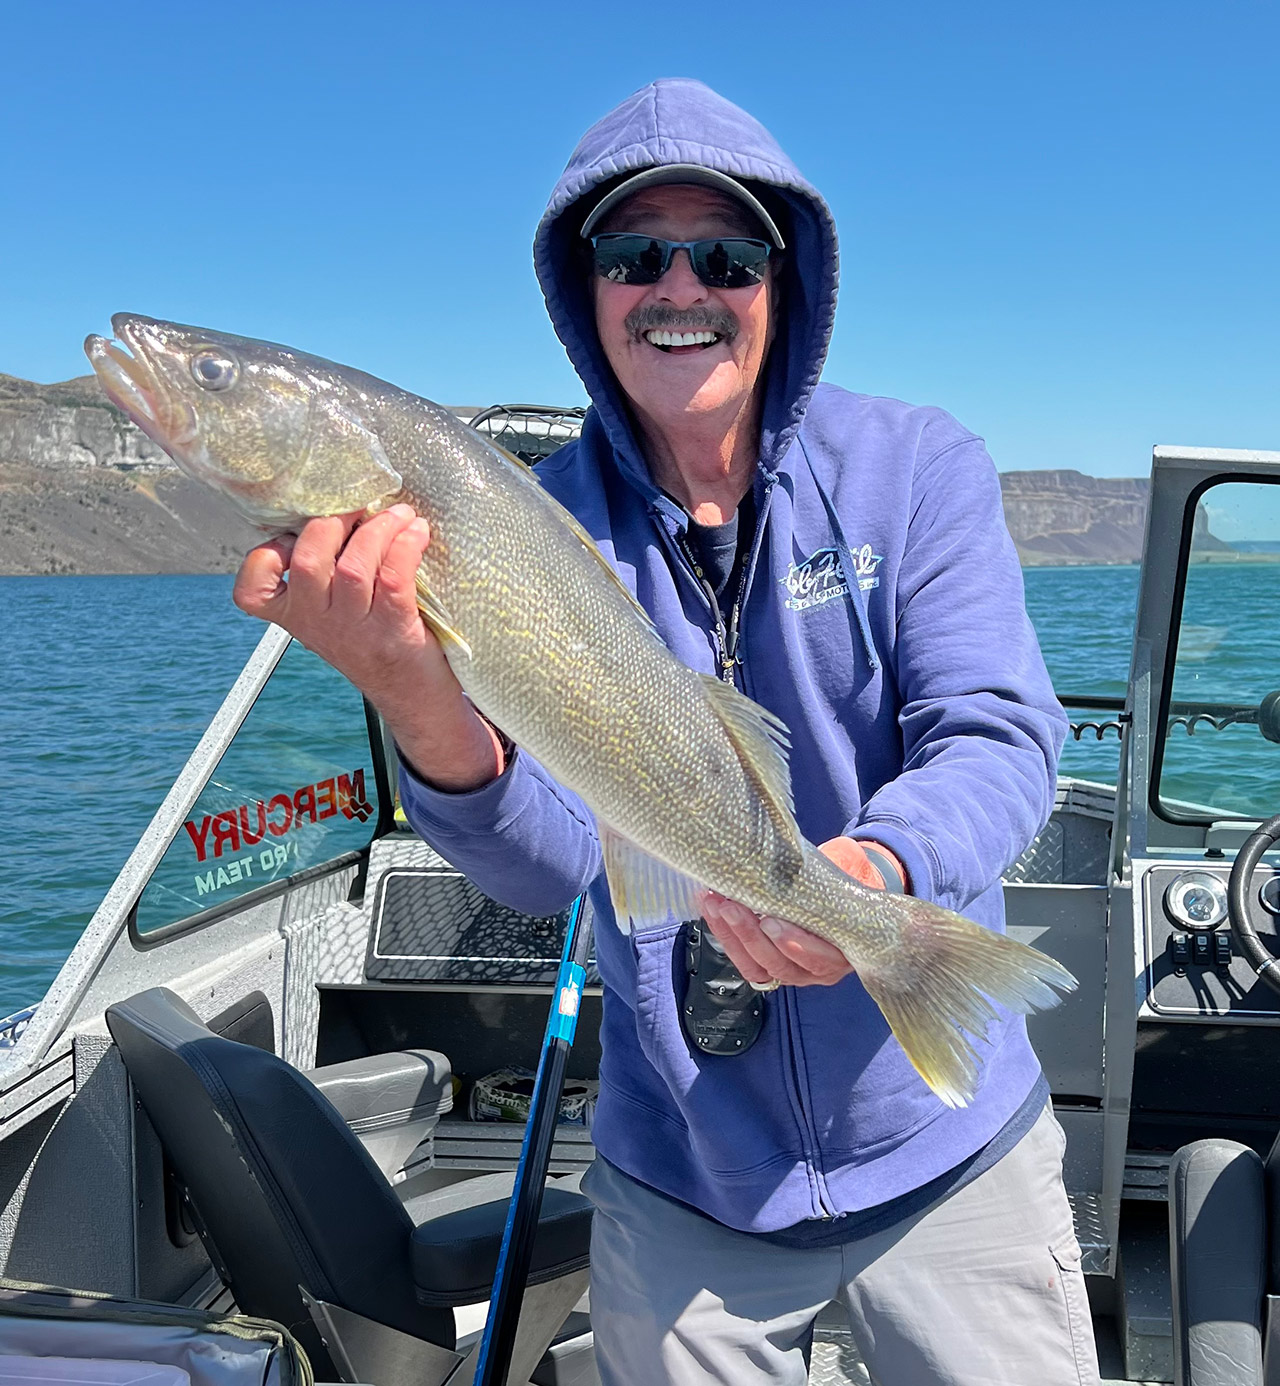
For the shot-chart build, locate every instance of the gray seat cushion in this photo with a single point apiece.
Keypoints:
(383, 1090)
(455, 1255)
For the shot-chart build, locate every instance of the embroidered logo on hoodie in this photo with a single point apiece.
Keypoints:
(822, 577)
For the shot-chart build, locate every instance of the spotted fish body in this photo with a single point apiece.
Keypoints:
(687, 778)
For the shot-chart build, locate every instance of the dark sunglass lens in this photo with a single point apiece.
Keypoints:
(629, 259)
(731, 263)
(652, 262)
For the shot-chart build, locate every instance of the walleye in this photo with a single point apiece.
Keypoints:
(687, 777)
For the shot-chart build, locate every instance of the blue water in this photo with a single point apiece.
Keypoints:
(109, 682)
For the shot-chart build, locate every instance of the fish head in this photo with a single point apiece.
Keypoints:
(284, 436)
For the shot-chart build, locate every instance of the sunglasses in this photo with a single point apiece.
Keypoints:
(727, 262)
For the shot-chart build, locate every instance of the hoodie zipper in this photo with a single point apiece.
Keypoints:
(727, 633)
(808, 1132)
(728, 637)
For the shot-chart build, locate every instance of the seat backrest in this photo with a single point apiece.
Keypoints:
(1217, 1255)
(284, 1193)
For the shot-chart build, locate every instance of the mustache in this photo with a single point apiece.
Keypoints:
(656, 317)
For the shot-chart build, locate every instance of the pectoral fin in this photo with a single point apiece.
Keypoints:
(644, 890)
(438, 619)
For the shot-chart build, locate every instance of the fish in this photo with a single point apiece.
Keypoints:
(688, 778)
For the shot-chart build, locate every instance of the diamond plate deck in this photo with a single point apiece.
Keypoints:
(1086, 1209)
(835, 1362)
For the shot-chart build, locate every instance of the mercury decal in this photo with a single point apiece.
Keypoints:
(235, 829)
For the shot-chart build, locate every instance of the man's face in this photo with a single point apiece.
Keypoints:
(671, 386)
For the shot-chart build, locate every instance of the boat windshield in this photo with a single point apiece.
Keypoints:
(296, 791)
(1218, 755)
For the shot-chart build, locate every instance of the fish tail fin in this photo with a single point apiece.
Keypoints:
(937, 993)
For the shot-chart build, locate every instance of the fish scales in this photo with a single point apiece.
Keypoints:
(687, 778)
(564, 664)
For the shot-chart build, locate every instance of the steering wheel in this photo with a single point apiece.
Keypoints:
(1259, 958)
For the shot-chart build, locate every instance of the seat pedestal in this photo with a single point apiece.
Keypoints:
(365, 1351)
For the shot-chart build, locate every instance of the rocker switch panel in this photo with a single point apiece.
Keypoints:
(1180, 952)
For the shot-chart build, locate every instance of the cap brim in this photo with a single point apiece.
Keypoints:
(685, 173)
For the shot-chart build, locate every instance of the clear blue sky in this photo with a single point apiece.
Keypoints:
(1058, 221)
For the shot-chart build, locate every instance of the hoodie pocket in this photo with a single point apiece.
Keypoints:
(734, 1106)
(660, 982)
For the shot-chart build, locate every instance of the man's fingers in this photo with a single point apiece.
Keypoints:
(806, 950)
(738, 929)
(314, 557)
(260, 589)
(356, 568)
(714, 914)
(397, 578)
(772, 949)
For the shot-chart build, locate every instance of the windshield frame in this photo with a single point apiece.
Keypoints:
(1157, 804)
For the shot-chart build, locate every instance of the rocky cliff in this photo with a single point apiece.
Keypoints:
(83, 491)
(1067, 517)
(68, 427)
(1061, 517)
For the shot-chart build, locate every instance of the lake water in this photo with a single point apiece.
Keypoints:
(109, 682)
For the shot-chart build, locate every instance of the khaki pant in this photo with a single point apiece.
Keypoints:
(981, 1289)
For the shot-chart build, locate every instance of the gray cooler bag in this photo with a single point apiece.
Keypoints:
(58, 1328)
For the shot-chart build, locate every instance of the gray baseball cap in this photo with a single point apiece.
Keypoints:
(684, 173)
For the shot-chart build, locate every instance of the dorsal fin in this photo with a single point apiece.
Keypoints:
(763, 743)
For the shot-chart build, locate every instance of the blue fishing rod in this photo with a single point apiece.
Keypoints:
(518, 1235)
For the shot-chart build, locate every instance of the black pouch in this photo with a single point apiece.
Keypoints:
(721, 1012)
(43, 1321)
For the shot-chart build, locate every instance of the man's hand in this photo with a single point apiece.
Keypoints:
(767, 950)
(350, 596)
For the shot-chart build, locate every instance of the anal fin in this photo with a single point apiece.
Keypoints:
(643, 889)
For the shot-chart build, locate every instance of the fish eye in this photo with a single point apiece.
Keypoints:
(214, 370)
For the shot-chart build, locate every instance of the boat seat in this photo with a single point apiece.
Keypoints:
(1224, 1244)
(295, 1214)
(391, 1102)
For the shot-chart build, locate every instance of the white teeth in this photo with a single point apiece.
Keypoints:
(676, 339)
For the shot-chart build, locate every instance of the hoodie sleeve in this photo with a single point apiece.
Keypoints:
(981, 727)
(525, 840)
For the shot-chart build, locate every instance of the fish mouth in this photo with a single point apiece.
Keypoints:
(133, 387)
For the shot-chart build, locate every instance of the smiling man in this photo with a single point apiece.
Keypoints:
(687, 344)
(765, 1146)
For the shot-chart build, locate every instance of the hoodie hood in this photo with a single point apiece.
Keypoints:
(680, 121)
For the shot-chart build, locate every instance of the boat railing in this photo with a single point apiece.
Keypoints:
(530, 431)
(12, 1026)
(1193, 716)
(1096, 703)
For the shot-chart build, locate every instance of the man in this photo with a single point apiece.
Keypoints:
(844, 560)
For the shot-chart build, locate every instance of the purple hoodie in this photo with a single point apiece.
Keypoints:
(884, 623)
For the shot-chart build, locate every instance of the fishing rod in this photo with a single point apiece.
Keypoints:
(516, 1251)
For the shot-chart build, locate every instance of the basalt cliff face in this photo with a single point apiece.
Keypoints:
(82, 490)
(1067, 517)
(69, 427)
